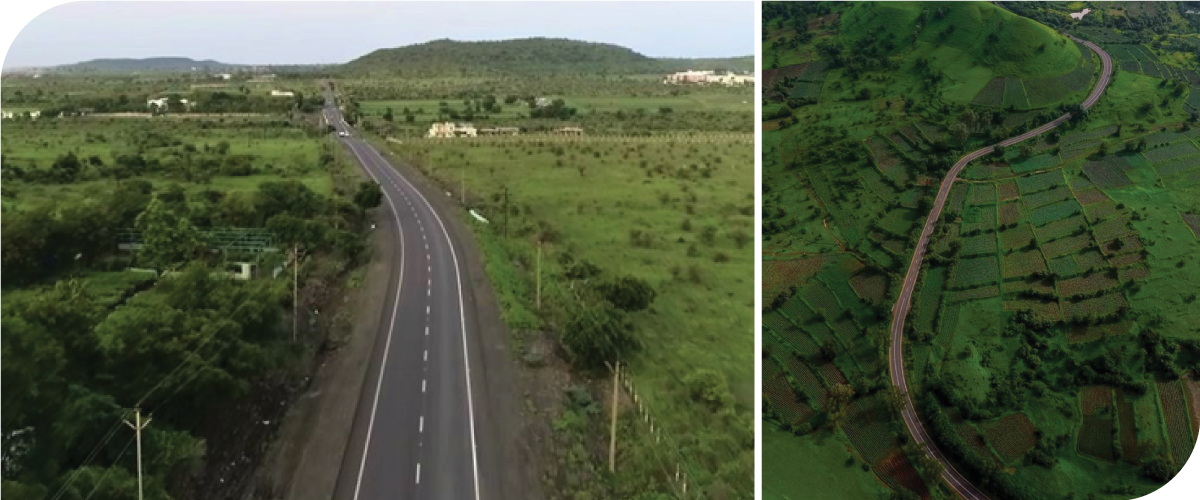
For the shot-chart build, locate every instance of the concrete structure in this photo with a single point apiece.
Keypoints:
(223, 76)
(688, 76)
(500, 131)
(451, 129)
(161, 103)
(282, 93)
(542, 102)
(732, 79)
(575, 131)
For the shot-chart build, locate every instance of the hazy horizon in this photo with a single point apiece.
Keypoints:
(284, 33)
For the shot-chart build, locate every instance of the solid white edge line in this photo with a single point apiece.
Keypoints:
(418, 472)
(462, 318)
(391, 327)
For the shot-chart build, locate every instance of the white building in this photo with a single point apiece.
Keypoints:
(223, 76)
(282, 93)
(688, 76)
(162, 102)
(450, 129)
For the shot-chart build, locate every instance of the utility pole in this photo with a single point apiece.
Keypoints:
(506, 212)
(463, 185)
(538, 295)
(612, 433)
(295, 288)
(137, 425)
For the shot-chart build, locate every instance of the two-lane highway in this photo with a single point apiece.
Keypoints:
(900, 311)
(414, 433)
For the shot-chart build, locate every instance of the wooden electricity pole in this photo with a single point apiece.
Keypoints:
(612, 433)
(538, 295)
(137, 425)
(295, 288)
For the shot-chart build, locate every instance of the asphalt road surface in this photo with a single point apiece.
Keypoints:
(900, 311)
(414, 430)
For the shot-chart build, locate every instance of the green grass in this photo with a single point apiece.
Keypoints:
(592, 198)
(829, 470)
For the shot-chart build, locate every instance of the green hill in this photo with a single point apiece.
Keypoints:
(537, 56)
(978, 52)
(145, 64)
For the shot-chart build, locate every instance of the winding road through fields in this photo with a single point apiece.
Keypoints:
(900, 311)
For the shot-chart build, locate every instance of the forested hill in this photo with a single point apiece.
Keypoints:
(529, 56)
(145, 64)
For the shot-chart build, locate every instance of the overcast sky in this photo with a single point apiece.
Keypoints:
(335, 32)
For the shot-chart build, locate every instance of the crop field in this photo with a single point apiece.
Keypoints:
(980, 293)
(1060, 228)
(1045, 92)
(1095, 436)
(1176, 414)
(1193, 222)
(881, 153)
(1101, 211)
(783, 398)
(870, 286)
(866, 426)
(1011, 436)
(1014, 93)
(1075, 149)
(1020, 264)
(1039, 162)
(1176, 166)
(1018, 237)
(1125, 260)
(1127, 428)
(1091, 196)
(900, 143)
(790, 333)
(958, 198)
(1064, 266)
(1084, 333)
(1066, 246)
(982, 218)
(976, 271)
(899, 222)
(982, 194)
(805, 90)
(1121, 245)
(897, 472)
(779, 274)
(1008, 191)
(991, 94)
(1056, 193)
(1042, 309)
(1137, 272)
(1085, 285)
(1090, 259)
(1008, 213)
(979, 244)
(1177, 150)
(1107, 173)
(1038, 182)
(929, 299)
(1112, 228)
(1102, 305)
(806, 379)
(1054, 211)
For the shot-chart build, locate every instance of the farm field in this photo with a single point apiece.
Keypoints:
(1055, 263)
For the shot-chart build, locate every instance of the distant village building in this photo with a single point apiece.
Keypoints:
(451, 129)
(500, 131)
(282, 93)
(223, 76)
(689, 76)
(542, 102)
(161, 104)
(573, 131)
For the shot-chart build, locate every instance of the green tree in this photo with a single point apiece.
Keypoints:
(368, 196)
(628, 293)
(597, 335)
(709, 387)
(167, 239)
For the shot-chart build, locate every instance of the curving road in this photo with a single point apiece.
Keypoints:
(900, 311)
(414, 433)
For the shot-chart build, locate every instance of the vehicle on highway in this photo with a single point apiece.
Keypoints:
(343, 134)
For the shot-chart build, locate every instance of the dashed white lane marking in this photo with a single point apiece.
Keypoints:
(426, 309)
(427, 331)
(426, 354)
(429, 292)
(422, 386)
(418, 473)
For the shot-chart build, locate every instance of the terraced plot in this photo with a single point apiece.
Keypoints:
(1054, 211)
(1019, 264)
(1012, 436)
(1101, 306)
(1038, 182)
(1108, 172)
(1172, 151)
(1095, 436)
(976, 271)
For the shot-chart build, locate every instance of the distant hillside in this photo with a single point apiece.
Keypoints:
(968, 33)
(146, 64)
(525, 56)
